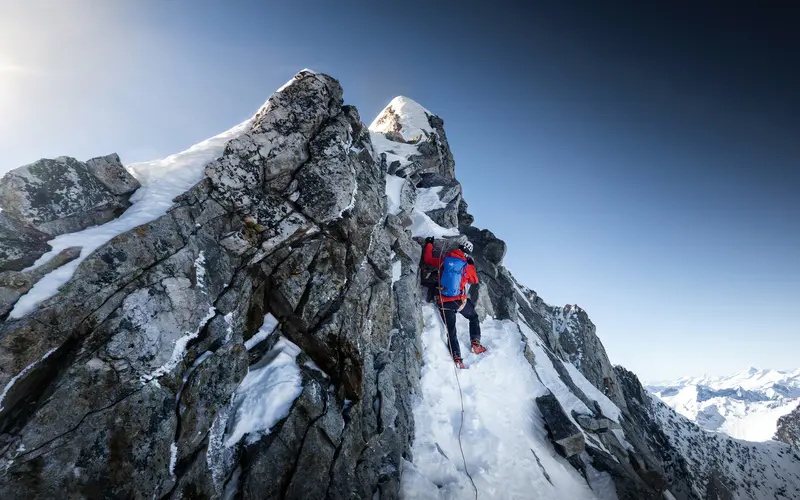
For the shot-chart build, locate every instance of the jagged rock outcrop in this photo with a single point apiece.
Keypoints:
(121, 385)
(789, 428)
(564, 434)
(65, 195)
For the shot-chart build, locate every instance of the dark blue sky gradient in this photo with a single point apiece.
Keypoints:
(640, 161)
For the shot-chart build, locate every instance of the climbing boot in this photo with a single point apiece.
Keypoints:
(459, 363)
(477, 348)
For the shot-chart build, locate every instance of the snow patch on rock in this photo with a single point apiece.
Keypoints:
(269, 325)
(266, 394)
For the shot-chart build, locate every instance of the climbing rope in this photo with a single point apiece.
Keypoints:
(458, 382)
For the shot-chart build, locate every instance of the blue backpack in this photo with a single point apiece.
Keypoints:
(453, 271)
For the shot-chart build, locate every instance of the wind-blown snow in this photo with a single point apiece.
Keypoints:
(266, 394)
(269, 325)
(503, 430)
(411, 116)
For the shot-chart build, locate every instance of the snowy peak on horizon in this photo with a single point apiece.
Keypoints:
(752, 379)
(403, 118)
(745, 404)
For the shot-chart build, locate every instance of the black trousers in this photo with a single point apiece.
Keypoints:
(448, 311)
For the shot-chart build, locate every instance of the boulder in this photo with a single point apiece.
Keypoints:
(64, 195)
(565, 435)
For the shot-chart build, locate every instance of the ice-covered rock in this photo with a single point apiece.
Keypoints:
(64, 195)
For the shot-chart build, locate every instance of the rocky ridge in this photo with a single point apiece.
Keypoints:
(293, 267)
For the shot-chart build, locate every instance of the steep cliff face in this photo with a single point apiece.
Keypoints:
(789, 428)
(267, 337)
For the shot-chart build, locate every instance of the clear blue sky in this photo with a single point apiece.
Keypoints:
(644, 165)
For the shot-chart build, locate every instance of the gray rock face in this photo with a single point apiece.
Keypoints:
(789, 428)
(592, 424)
(576, 340)
(13, 284)
(64, 195)
(290, 220)
(449, 194)
(20, 245)
(110, 172)
(566, 437)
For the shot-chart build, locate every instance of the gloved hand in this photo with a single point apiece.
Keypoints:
(470, 261)
(429, 239)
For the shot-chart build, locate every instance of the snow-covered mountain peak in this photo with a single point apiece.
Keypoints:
(403, 120)
(745, 404)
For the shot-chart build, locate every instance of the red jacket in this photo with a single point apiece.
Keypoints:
(469, 277)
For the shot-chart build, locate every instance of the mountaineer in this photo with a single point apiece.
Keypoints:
(456, 269)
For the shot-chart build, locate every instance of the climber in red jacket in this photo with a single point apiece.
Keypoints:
(456, 269)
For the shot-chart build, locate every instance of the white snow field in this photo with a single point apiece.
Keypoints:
(504, 440)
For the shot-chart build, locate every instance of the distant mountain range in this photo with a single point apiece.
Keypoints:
(745, 405)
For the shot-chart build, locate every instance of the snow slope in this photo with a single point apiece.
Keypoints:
(755, 469)
(504, 439)
(745, 405)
